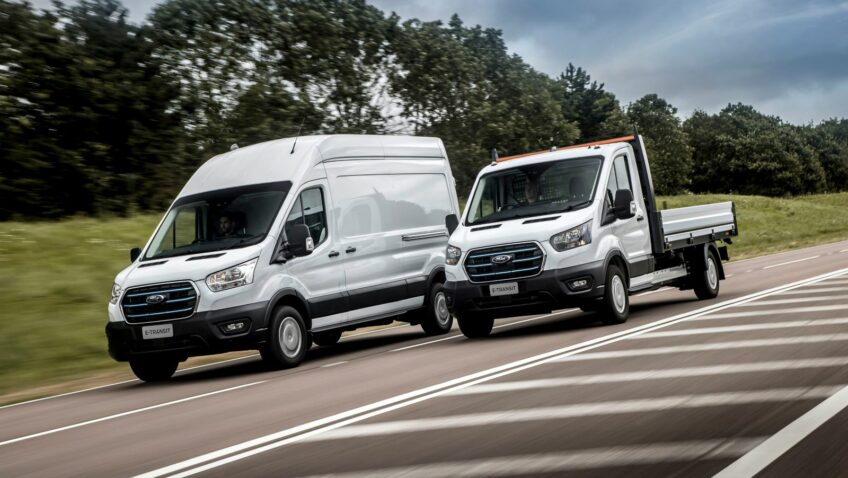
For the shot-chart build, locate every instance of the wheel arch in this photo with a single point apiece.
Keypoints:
(616, 257)
(292, 298)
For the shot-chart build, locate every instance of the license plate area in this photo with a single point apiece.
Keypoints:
(158, 331)
(505, 288)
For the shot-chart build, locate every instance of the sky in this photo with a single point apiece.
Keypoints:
(786, 58)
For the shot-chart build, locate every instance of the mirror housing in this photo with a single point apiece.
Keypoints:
(624, 205)
(451, 222)
(300, 242)
(134, 253)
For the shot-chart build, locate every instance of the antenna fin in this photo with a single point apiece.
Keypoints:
(298, 135)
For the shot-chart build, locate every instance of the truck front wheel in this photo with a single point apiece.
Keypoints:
(705, 282)
(615, 306)
(475, 326)
(154, 369)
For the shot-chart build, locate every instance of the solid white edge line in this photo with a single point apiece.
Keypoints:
(123, 414)
(774, 447)
(283, 437)
(791, 262)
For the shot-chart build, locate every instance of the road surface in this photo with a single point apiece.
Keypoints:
(753, 382)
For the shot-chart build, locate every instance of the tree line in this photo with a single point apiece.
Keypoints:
(101, 116)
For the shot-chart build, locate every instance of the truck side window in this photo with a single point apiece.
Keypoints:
(309, 210)
(619, 178)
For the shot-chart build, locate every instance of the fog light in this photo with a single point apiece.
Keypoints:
(234, 327)
(579, 284)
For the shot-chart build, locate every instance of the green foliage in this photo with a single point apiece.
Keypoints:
(667, 144)
(101, 116)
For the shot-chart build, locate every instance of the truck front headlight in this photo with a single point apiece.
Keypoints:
(116, 294)
(235, 276)
(452, 255)
(576, 237)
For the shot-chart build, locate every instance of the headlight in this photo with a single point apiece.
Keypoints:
(452, 255)
(235, 276)
(579, 236)
(116, 294)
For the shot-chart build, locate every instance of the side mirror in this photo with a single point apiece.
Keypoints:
(624, 205)
(300, 241)
(134, 253)
(452, 222)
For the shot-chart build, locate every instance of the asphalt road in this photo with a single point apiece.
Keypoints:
(755, 381)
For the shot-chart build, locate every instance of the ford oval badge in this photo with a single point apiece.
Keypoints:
(154, 299)
(501, 259)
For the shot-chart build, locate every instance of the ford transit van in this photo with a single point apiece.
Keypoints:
(286, 243)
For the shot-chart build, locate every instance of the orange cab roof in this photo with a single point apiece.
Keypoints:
(623, 139)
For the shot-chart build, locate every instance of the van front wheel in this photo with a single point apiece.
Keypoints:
(476, 326)
(616, 302)
(287, 342)
(437, 320)
(154, 369)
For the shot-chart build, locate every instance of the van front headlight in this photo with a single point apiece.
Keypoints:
(575, 237)
(452, 255)
(235, 276)
(116, 294)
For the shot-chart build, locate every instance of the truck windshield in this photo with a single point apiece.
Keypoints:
(218, 220)
(534, 190)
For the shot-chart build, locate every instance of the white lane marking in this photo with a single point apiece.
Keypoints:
(676, 349)
(659, 374)
(744, 328)
(791, 262)
(791, 310)
(334, 364)
(796, 300)
(815, 290)
(613, 407)
(284, 437)
(124, 414)
(770, 450)
(121, 382)
(728, 276)
(375, 331)
(839, 281)
(554, 463)
(843, 250)
(459, 336)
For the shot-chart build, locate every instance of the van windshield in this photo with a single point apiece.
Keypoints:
(218, 220)
(534, 190)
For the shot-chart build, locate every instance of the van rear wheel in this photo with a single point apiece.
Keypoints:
(615, 306)
(437, 319)
(476, 326)
(705, 282)
(154, 369)
(287, 341)
(328, 338)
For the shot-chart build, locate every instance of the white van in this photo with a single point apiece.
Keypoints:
(577, 227)
(285, 243)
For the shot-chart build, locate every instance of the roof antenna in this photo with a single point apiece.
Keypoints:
(494, 155)
(298, 135)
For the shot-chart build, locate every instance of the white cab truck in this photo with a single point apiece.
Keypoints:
(576, 227)
(281, 244)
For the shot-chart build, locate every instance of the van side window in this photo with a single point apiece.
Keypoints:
(619, 178)
(309, 209)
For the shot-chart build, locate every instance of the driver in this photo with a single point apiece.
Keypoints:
(226, 225)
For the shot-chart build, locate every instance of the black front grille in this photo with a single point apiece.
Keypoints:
(525, 260)
(153, 303)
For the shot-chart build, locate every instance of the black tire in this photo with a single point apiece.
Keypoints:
(706, 282)
(154, 369)
(615, 306)
(287, 338)
(325, 339)
(437, 319)
(476, 326)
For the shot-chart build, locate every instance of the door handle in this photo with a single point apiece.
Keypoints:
(640, 217)
(334, 254)
(350, 249)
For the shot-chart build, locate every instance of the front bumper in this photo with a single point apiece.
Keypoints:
(544, 293)
(196, 335)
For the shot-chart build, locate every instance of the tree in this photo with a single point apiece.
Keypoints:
(585, 102)
(667, 144)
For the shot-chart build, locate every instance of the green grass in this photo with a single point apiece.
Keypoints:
(56, 277)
